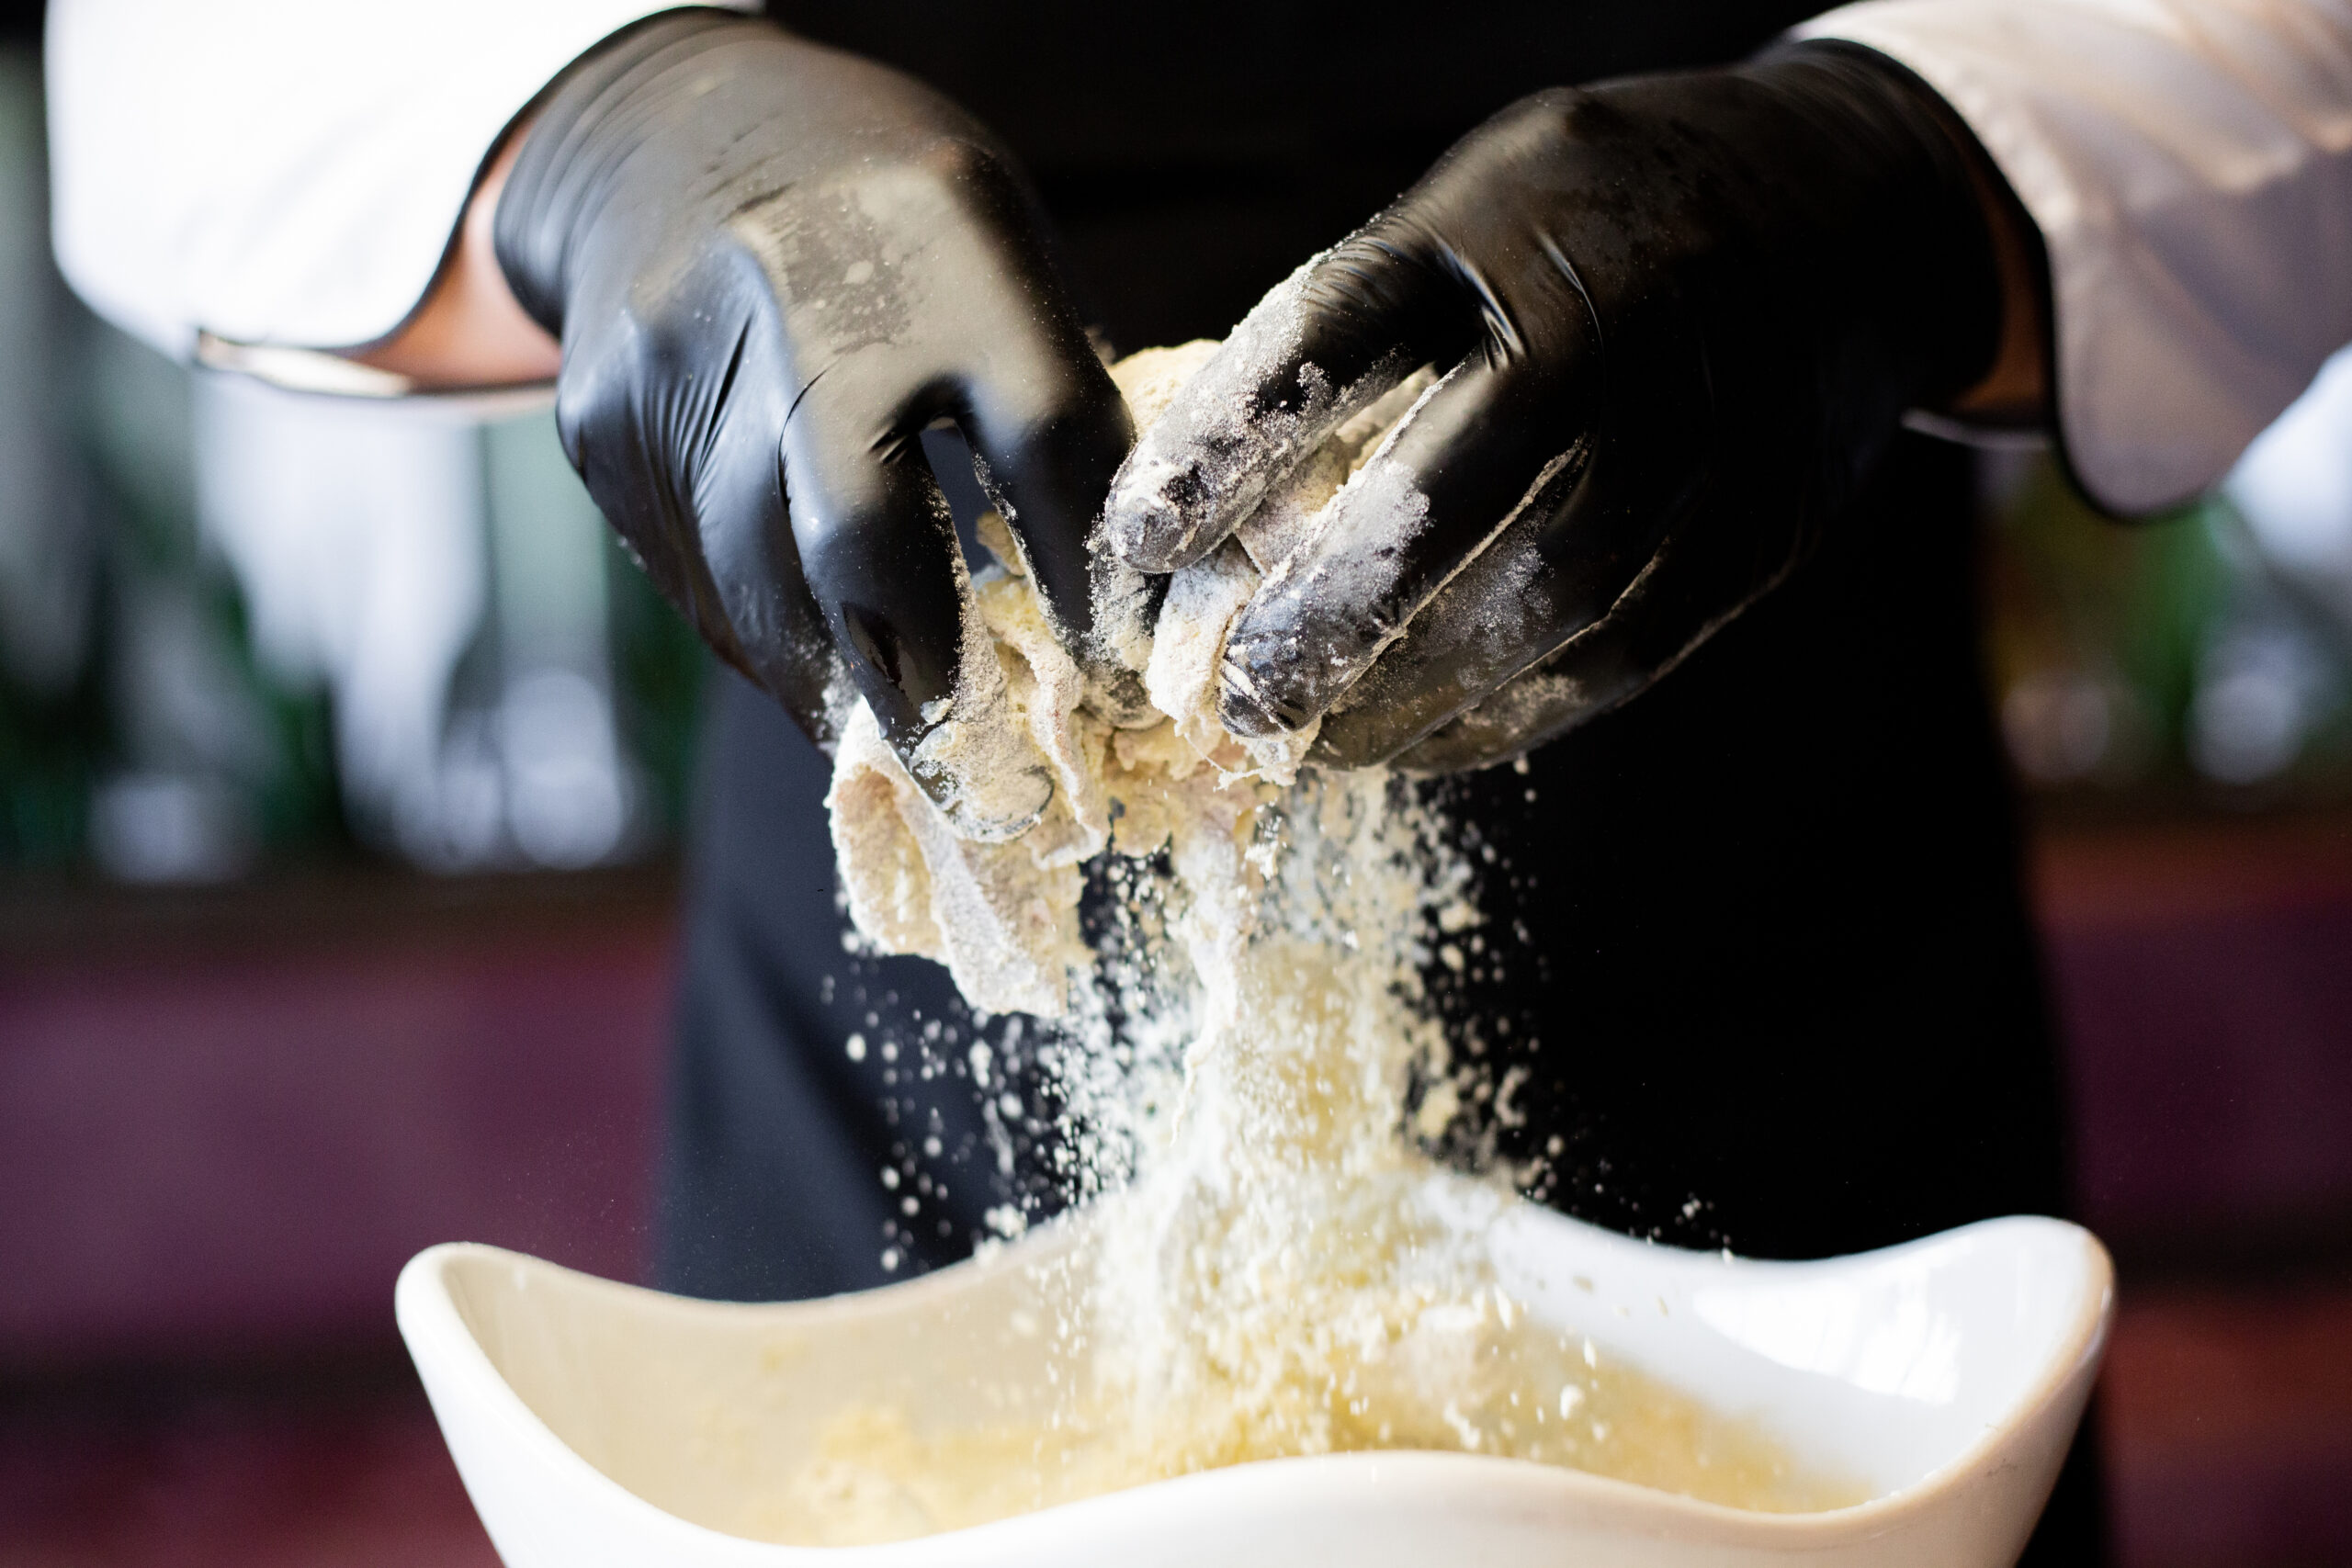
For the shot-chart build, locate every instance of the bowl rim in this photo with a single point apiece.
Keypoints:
(435, 1329)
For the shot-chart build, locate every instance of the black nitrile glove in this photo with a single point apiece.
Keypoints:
(1682, 315)
(771, 265)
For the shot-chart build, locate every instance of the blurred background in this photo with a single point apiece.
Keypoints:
(342, 761)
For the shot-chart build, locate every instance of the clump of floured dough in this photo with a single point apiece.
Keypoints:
(968, 884)
(980, 760)
(1003, 915)
(1181, 677)
(1150, 379)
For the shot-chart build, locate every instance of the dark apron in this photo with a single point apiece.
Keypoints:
(1767, 955)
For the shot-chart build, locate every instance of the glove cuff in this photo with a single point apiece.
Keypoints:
(584, 118)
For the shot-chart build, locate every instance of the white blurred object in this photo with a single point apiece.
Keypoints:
(2269, 678)
(157, 827)
(371, 539)
(2294, 487)
(2261, 689)
(565, 802)
(356, 533)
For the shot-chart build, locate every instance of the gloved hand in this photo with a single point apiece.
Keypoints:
(771, 266)
(1677, 317)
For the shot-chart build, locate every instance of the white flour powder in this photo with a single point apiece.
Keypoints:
(1265, 1278)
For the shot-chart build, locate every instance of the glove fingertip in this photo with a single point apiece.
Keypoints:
(1260, 693)
(1294, 370)
(1148, 523)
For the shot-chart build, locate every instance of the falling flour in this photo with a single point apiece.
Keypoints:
(1251, 1074)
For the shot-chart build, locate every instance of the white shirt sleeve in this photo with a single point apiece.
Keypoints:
(2190, 166)
(284, 172)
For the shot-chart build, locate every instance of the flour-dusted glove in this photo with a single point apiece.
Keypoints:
(1677, 318)
(771, 265)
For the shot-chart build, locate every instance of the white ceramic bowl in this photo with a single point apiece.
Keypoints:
(602, 1425)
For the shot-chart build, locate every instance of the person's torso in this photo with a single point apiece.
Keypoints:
(1192, 155)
